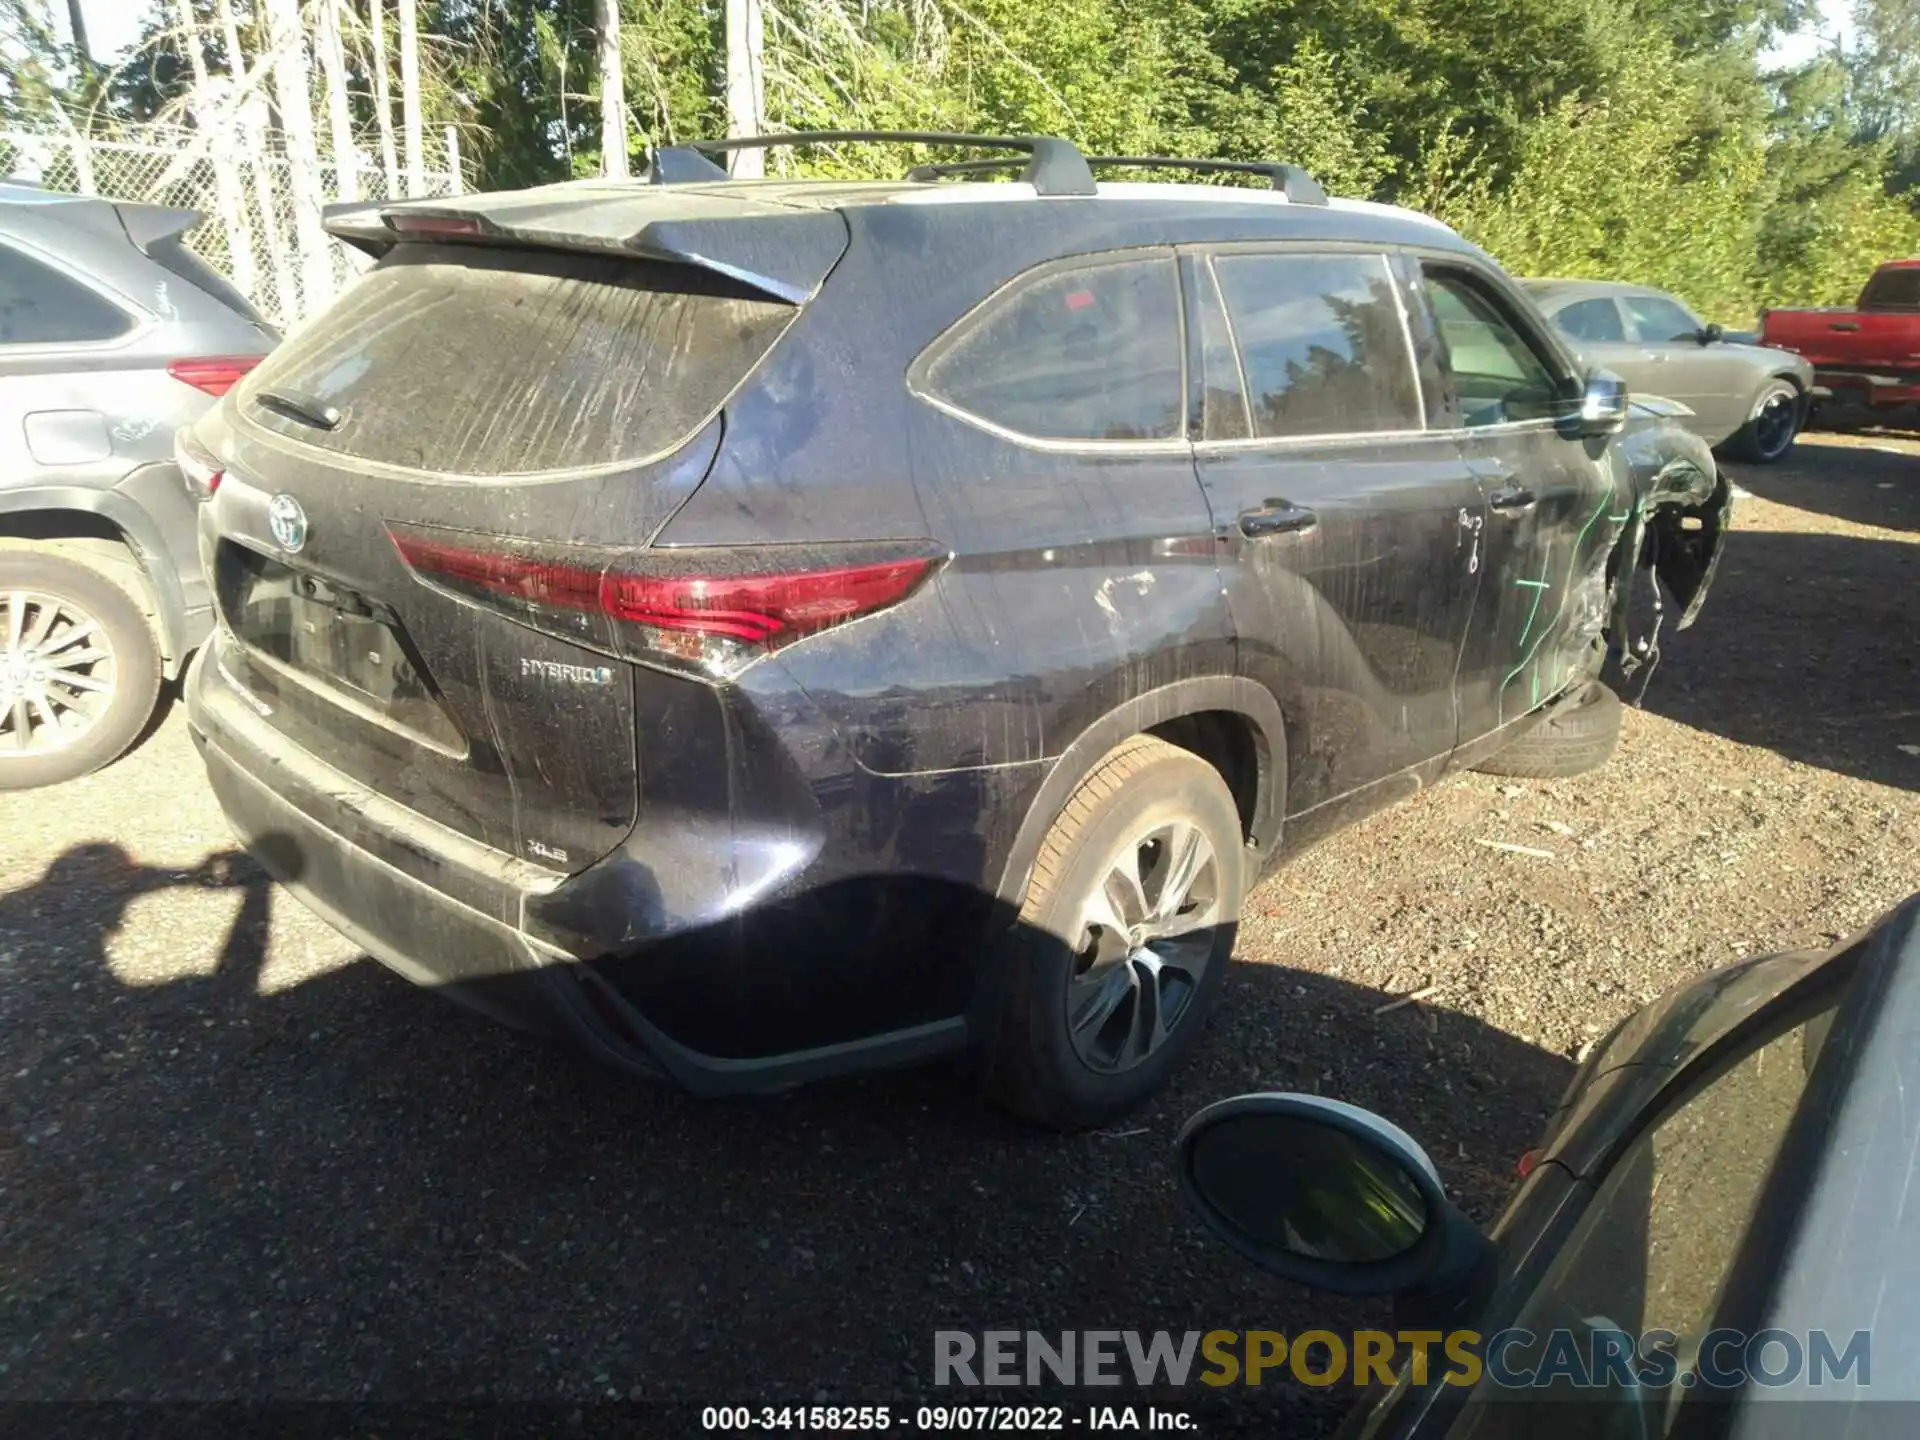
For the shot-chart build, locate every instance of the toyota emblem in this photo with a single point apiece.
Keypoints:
(287, 521)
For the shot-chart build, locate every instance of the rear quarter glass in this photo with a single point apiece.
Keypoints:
(171, 253)
(485, 362)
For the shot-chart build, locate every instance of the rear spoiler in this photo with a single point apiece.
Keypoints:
(784, 252)
(146, 225)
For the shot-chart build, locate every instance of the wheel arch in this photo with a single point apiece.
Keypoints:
(1233, 723)
(54, 516)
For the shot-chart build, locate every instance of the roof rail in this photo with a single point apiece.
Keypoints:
(1053, 166)
(1290, 180)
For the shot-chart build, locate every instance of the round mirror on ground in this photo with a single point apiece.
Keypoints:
(1315, 1190)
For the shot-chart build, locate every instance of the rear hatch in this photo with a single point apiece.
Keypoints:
(471, 399)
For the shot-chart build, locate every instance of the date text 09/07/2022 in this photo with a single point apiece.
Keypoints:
(931, 1419)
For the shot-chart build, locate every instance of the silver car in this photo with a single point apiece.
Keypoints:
(112, 336)
(1750, 399)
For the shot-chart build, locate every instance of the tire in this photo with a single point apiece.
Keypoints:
(1773, 424)
(1148, 800)
(1575, 737)
(83, 701)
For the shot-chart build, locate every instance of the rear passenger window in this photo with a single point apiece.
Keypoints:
(1088, 353)
(40, 306)
(1321, 342)
(1592, 320)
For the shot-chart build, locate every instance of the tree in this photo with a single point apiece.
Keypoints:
(382, 96)
(746, 81)
(293, 99)
(410, 95)
(1885, 68)
(613, 101)
(77, 25)
(333, 65)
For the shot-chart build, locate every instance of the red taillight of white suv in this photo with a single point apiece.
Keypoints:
(213, 374)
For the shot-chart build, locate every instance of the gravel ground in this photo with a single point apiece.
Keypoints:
(238, 1160)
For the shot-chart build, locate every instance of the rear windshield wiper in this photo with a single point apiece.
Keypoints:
(307, 409)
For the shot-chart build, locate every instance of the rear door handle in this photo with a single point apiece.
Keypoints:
(1277, 519)
(1844, 325)
(1514, 500)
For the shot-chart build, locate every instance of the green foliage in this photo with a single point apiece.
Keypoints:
(1635, 139)
(1643, 183)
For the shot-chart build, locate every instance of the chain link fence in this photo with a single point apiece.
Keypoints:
(241, 180)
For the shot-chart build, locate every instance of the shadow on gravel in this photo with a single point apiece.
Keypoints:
(1867, 483)
(350, 1189)
(1809, 646)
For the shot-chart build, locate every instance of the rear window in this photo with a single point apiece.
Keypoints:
(170, 252)
(465, 360)
(1088, 352)
(1893, 290)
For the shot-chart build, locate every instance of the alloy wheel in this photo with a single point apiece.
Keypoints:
(1773, 424)
(1146, 937)
(56, 673)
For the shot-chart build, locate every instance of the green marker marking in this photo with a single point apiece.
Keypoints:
(1537, 586)
(1573, 562)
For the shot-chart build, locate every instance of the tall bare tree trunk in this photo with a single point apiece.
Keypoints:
(746, 82)
(226, 182)
(253, 126)
(293, 98)
(333, 64)
(230, 32)
(383, 96)
(410, 96)
(613, 98)
(77, 22)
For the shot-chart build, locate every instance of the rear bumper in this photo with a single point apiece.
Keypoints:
(451, 914)
(1861, 387)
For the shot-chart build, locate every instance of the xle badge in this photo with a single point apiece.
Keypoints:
(568, 674)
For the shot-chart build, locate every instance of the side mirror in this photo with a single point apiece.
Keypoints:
(1336, 1198)
(1712, 335)
(1603, 404)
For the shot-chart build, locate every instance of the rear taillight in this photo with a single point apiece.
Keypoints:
(214, 374)
(715, 611)
(432, 226)
(198, 467)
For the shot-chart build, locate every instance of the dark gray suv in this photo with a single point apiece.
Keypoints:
(763, 629)
(112, 336)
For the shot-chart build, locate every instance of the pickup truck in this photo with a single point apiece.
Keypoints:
(1869, 355)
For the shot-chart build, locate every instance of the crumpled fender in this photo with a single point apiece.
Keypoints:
(1683, 508)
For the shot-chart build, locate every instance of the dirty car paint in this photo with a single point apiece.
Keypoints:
(798, 866)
